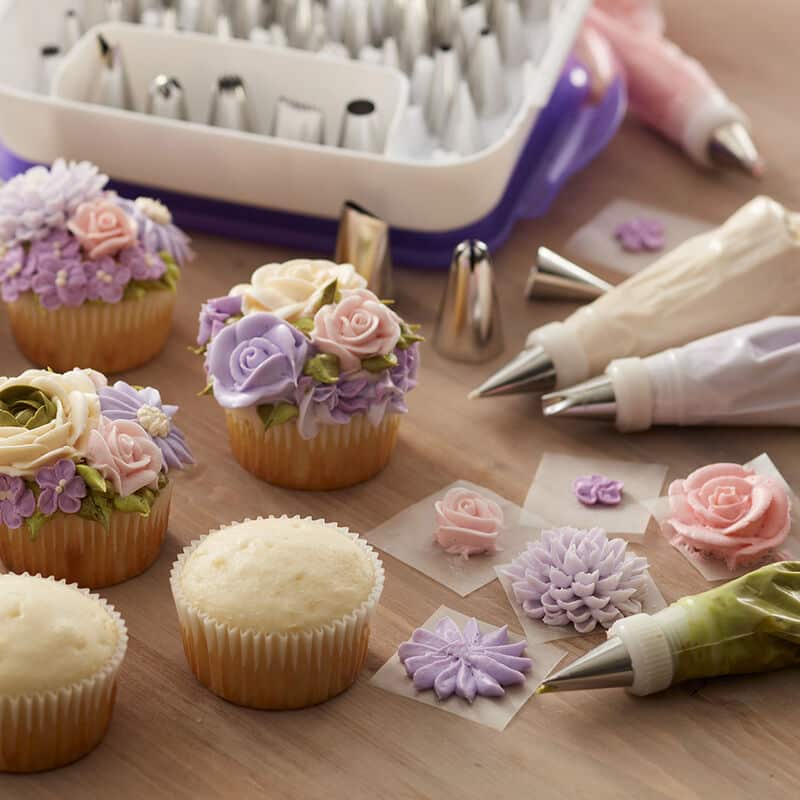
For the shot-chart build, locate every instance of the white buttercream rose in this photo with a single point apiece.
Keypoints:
(75, 414)
(293, 290)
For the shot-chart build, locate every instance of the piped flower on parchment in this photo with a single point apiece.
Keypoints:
(594, 490)
(641, 235)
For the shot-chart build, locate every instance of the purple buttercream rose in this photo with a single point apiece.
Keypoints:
(214, 314)
(60, 282)
(106, 280)
(16, 273)
(143, 264)
(62, 488)
(257, 360)
(17, 502)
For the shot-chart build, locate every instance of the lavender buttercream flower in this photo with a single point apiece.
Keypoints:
(594, 490)
(106, 280)
(60, 282)
(331, 404)
(17, 502)
(58, 244)
(467, 664)
(214, 314)
(62, 489)
(157, 233)
(122, 402)
(257, 360)
(15, 273)
(144, 265)
(404, 375)
(640, 235)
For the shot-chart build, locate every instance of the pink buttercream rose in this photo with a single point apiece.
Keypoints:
(102, 228)
(125, 455)
(357, 327)
(469, 523)
(729, 512)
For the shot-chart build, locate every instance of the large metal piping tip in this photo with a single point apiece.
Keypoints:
(553, 277)
(363, 241)
(592, 399)
(732, 146)
(608, 666)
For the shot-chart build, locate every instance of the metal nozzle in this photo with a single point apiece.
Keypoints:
(531, 371)
(363, 241)
(360, 127)
(555, 278)
(165, 98)
(229, 104)
(593, 399)
(487, 81)
(73, 28)
(298, 121)
(606, 667)
(111, 87)
(732, 146)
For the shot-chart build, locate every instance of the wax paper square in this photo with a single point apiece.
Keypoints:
(493, 712)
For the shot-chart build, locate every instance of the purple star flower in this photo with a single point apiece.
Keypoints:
(62, 488)
(640, 235)
(594, 490)
(59, 282)
(106, 280)
(58, 244)
(17, 502)
(15, 273)
(122, 402)
(144, 265)
(214, 314)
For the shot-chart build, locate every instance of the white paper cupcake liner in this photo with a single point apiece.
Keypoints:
(44, 730)
(276, 670)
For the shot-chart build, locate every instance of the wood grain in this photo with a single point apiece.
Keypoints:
(732, 738)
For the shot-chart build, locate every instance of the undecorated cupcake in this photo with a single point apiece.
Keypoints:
(84, 475)
(312, 370)
(61, 652)
(275, 613)
(88, 278)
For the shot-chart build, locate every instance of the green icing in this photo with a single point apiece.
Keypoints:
(25, 407)
(408, 335)
(379, 363)
(132, 504)
(136, 290)
(92, 478)
(305, 325)
(272, 415)
(751, 624)
(330, 294)
(324, 367)
(96, 507)
(35, 523)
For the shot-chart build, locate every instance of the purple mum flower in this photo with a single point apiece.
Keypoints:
(122, 402)
(156, 230)
(214, 314)
(62, 488)
(58, 244)
(60, 282)
(144, 265)
(594, 490)
(640, 234)
(15, 273)
(106, 280)
(17, 502)
(404, 375)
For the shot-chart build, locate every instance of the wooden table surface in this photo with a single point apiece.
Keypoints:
(731, 738)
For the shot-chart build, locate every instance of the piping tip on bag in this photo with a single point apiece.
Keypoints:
(229, 107)
(468, 325)
(360, 127)
(363, 241)
(530, 371)
(608, 666)
(166, 99)
(553, 277)
(732, 146)
(592, 399)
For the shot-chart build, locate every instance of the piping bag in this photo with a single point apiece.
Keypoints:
(727, 277)
(749, 375)
(751, 624)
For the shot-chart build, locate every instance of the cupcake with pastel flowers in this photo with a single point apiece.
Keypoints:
(312, 370)
(84, 475)
(88, 278)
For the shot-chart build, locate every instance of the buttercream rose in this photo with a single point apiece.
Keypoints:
(729, 512)
(358, 327)
(45, 417)
(125, 455)
(102, 228)
(256, 361)
(469, 523)
(294, 289)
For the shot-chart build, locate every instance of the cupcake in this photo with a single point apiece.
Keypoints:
(312, 370)
(84, 466)
(61, 651)
(88, 278)
(275, 613)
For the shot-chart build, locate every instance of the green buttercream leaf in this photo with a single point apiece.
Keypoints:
(276, 414)
(132, 504)
(25, 407)
(97, 508)
(379, 363)
(92, 478)
(208, 390)
(200, 350)
(388, 302)
(35, 524)
(330, 294)
(324, 368)
(305, 325)
(136, 290)
(163, 480)
(408, 335)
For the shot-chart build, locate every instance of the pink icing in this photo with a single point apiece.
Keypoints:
(730, 513)
(125, 455)
(358, 327)
(469, 523)
(102, 228)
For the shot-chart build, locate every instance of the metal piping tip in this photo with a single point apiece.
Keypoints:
(223, 29)
(189, 15)
(511, 36)
(277, 35)
(301, 24)
(355, 29)
(462, 131)
(248, 14)
(259, 35)
(553, 277)
(732, 146)
(377, 19)
(472, 21)
(363, 241)
(73, 28)
(391, 53)
(169, 20)
(283, 12)
(444, 84)
(151, 18)
(608, 666)
(536, 10)
(111, 88)
(531, 371)
(165, 98)
(360, 127)
(468, 325)
(487, 80)
(229, 107)
(116, 11)
(415, 33)
(592, 399)
(446, 19)
(298, 121)
(50, 58)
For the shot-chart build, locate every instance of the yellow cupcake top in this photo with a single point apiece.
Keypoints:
(278, 575)
(51, 635)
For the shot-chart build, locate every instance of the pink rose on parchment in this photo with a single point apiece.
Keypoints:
(125, 455)
(730, 513)
(469, 523)
(102, 228)
(357, 327)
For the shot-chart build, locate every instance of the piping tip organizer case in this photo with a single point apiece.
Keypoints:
(254, 185)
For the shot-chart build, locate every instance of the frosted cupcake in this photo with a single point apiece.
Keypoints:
(88, 278)
(84, 475)
(312, 370)
(276, 613)
(62, 649)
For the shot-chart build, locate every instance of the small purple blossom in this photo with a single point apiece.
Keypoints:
(594, 490)
(62, 488)
(106, 280)
(404, 375)
(214, 314)
(60, 282)
(17, 502)
(58, 244)
(640, 235)
(144, 265)
(15, 273)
